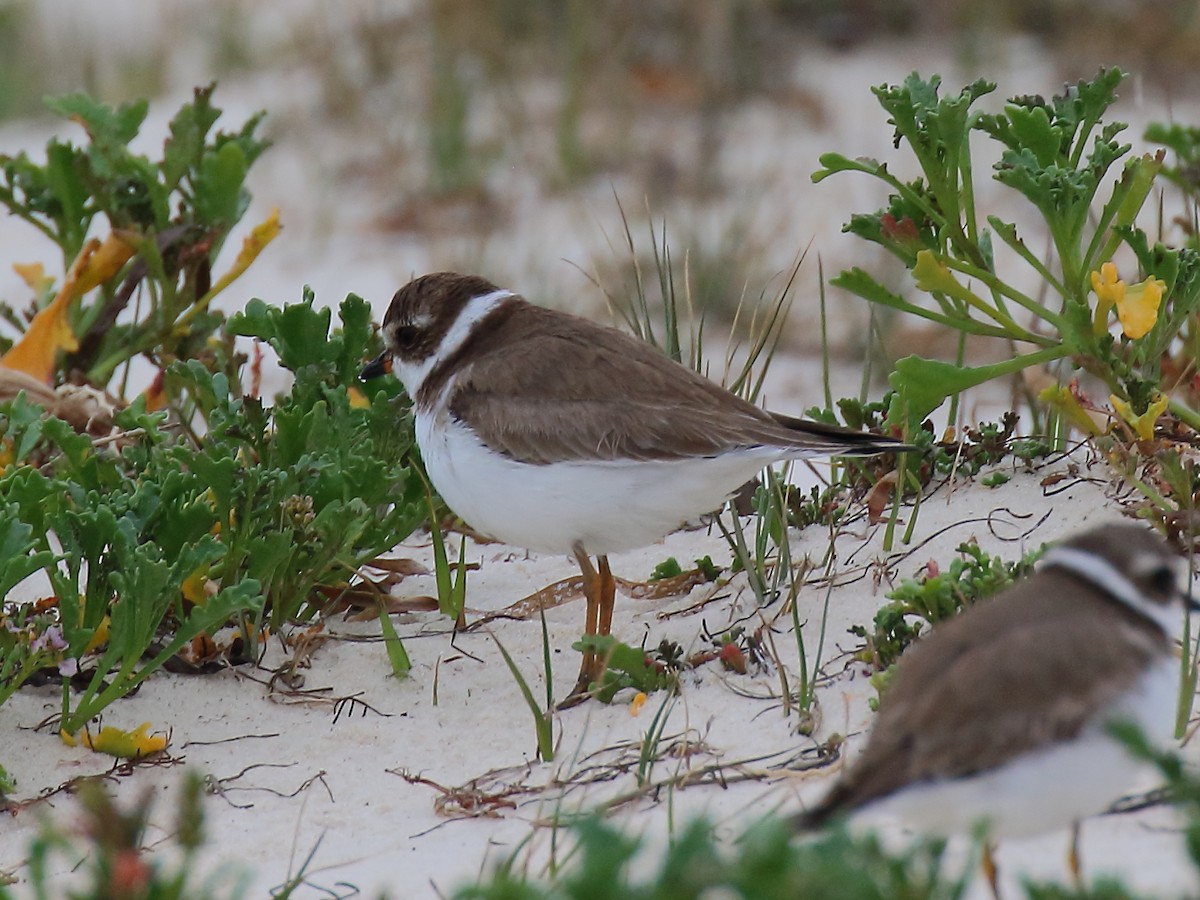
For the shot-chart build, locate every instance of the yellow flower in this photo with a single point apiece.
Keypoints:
(1065, 399)
(1110, 291)
(1143, 425)
(1139, 312)
(1137, 305)
(635, 705)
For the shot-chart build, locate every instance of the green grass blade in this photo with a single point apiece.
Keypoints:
(542, 723)
(397, 655)
(547, 666)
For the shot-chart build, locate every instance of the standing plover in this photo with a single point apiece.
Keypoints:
(1000, 717)
(554, 433)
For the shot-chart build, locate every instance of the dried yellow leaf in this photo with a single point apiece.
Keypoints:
(261, 235)
(50, 330)
(34, 275)
(104, 264)
(194, 588)
(118, 742)
(99, 636)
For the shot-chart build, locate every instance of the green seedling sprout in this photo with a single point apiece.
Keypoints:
(543, 719)
(397, 655)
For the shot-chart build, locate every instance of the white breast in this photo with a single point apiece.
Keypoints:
(1045, 790)
(608, 506)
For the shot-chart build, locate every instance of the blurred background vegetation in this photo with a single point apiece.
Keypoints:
(494, 134)
(597, 55)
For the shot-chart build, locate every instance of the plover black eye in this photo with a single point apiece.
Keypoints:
(405, 337)
(1162, 580)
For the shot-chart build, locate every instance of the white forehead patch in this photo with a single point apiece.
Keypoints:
(1104, 576)
(413, 374)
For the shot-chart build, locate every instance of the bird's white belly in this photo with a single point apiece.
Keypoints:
(1046, 790)
(608, 506)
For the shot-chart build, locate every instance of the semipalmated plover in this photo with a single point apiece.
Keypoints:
(1000, 717)
(553, 433)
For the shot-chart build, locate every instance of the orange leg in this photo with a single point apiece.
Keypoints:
(1073, 857)
(592, 667)
(607, 596)
(591, 591)
(990, 871)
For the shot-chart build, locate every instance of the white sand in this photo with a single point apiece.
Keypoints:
(380, 833)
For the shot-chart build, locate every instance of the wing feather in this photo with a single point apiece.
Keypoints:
(965, 699)
(545, 386)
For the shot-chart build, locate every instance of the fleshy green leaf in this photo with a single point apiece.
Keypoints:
(925, 384)
(189, 130)
(19, 553)
(103, 124)
(219, 196)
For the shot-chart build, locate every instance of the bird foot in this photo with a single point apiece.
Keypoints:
(590, 673)
(579, 694)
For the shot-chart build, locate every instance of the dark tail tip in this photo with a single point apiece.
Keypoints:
(845, 441)
(878, 445)
(812, 819)
(835, 806)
